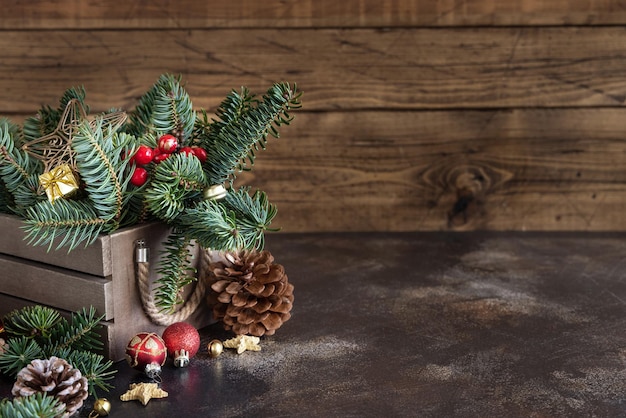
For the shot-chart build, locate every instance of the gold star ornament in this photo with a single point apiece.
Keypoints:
(243, 343)
(143, 392)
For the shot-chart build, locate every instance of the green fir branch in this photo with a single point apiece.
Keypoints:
(35, 321)
(94, 367)
(69, 222)
(233, 107)
(18, 353)
(18, 171)
(212, 225)
(254, 215)
(175, 272)
(100, 162)
(79, 333)
(181, 171)
(37, 332)
(165, 108)
(244, 127)
(164, 201)
(44, 122)
(39, 405)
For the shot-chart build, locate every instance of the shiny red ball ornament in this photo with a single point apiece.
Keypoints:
(146, 352)
(143, 155)
(168, 143)
(139, 176)
(182, 341)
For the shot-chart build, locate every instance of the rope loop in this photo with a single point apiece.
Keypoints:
(147, 301)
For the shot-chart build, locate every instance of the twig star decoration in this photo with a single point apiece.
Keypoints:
(243, 343)
(55, 148)
(143, 392)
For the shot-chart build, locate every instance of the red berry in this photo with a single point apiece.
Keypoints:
(160, 157)
(168, 143)
(200, 153)
(143, 155)
(139, 177)
(186, 150)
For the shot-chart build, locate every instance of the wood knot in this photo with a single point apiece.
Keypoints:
(465, 186)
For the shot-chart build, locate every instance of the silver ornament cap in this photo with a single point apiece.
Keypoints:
(215, 192)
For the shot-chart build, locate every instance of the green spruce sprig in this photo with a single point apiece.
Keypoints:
(38, 405)
(36, 332)
(18, 171)
(242, 128)
(175, 271)
(165, 108)
(176, 181)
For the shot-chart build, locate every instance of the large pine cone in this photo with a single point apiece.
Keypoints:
(55, 377)
(250, 293)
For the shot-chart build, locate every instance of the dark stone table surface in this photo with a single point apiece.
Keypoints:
(430, 324)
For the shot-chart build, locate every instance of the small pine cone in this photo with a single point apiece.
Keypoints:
(250, 293)
(2, 346)
(54, 377)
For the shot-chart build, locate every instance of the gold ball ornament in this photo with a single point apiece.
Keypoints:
(215, 348)
(101, 408)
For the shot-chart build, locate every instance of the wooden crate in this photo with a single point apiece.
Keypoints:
(101, 275)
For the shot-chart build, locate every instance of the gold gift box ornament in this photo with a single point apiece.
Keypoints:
(59, 182)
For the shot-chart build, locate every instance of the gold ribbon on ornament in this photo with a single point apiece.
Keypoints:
(59, 182)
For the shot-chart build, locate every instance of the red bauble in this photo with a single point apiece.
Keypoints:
(200, 153)
(139, 177)
(143, 155)
(168, 143)
(146, 352)
(182, 341)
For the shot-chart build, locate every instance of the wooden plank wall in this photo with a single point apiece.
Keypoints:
(418, 115)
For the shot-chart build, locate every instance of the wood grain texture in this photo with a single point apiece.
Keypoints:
(56, 287)
(337, 69)
(185, 14)
(552, 169)
(94, 259)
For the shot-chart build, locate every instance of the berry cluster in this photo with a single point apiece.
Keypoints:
(167, 145)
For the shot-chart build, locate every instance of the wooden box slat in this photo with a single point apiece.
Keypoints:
(94, 259)
(49, 285)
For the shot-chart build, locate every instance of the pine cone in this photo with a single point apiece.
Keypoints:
(2, 346)
(54, 377)
(250, 293)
